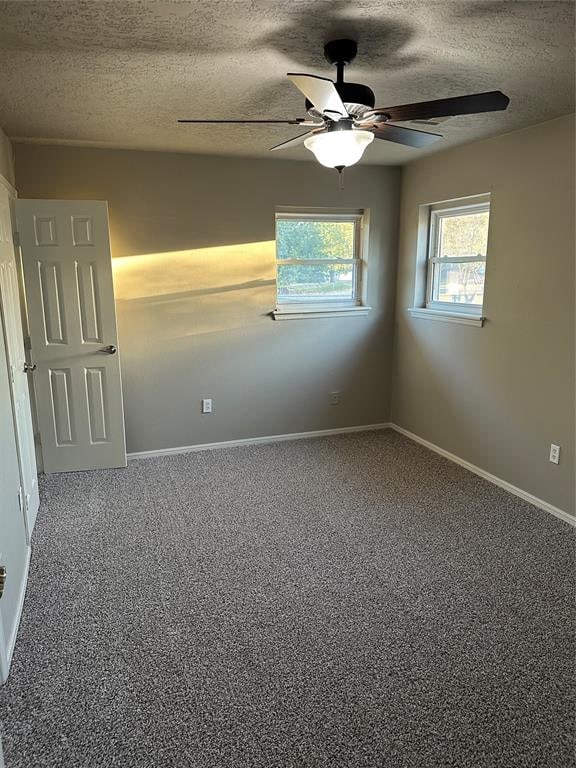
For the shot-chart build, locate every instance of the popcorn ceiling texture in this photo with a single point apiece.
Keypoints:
(121, 73)
(345, 602)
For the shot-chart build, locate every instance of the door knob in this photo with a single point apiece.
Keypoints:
(29, 367)
(109, 350)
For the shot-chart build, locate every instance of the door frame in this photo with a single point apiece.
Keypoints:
(12, 197)
(8, 644)
(25, 325)
(4, 661)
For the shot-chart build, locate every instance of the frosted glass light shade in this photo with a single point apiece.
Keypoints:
(339, 148)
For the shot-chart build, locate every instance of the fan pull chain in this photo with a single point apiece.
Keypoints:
(340, 178)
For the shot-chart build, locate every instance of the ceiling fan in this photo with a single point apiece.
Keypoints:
(342, 119)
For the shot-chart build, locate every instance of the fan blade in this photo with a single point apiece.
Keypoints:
(407, 136)
(322, 93)
(295, 141)
(297, 121)
(492, 101)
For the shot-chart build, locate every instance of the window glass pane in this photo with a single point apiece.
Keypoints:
(315, 282)
(459, 283)
(463, 235)
(314, 239)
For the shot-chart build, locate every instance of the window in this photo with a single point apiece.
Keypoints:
(319, 263)
(457, 247)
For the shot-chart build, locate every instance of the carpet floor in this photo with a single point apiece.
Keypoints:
(345, 602)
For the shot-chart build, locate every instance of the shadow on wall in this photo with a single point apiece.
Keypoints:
(195, 323)
(195, 291)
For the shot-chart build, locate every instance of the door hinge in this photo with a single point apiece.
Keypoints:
(23, 501)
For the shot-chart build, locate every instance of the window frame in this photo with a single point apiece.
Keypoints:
(296, 308)
(436, 212)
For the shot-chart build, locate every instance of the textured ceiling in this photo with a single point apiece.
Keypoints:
(120, 73)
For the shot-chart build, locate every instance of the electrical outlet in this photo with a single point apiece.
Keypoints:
(207, 405)
(554, 453)
(335, 398)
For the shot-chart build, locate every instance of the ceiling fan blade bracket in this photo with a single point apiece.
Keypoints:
(369, 119)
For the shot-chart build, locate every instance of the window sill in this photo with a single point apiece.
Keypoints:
(463, 318)
(313, 313)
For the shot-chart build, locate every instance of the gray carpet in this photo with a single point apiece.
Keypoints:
(347, 602)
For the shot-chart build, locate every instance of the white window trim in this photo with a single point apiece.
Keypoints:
(311, 313)
(462, 318)
(356, 307)
(437, 212)
(465, 314)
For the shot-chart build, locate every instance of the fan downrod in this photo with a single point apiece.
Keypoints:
(340, 53)
(355, 96)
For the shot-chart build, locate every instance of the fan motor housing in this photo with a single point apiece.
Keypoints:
(352, 94)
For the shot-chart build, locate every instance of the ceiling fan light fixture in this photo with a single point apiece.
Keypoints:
(337, 149)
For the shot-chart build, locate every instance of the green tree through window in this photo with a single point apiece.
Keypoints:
(315, 258)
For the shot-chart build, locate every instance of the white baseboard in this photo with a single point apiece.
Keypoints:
(540, 503)
(256, 441)
(7, 645)
(529, 497)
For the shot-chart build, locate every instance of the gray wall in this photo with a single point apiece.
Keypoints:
(6, 158)
(192, 240)
(497, 396)
(194, 275)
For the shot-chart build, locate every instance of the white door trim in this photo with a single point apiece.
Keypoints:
(7, 645)
(5, 183)
(11, 309)
(4, 665)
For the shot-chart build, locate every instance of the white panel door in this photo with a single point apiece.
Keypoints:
(70, 298)
(19, 390)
